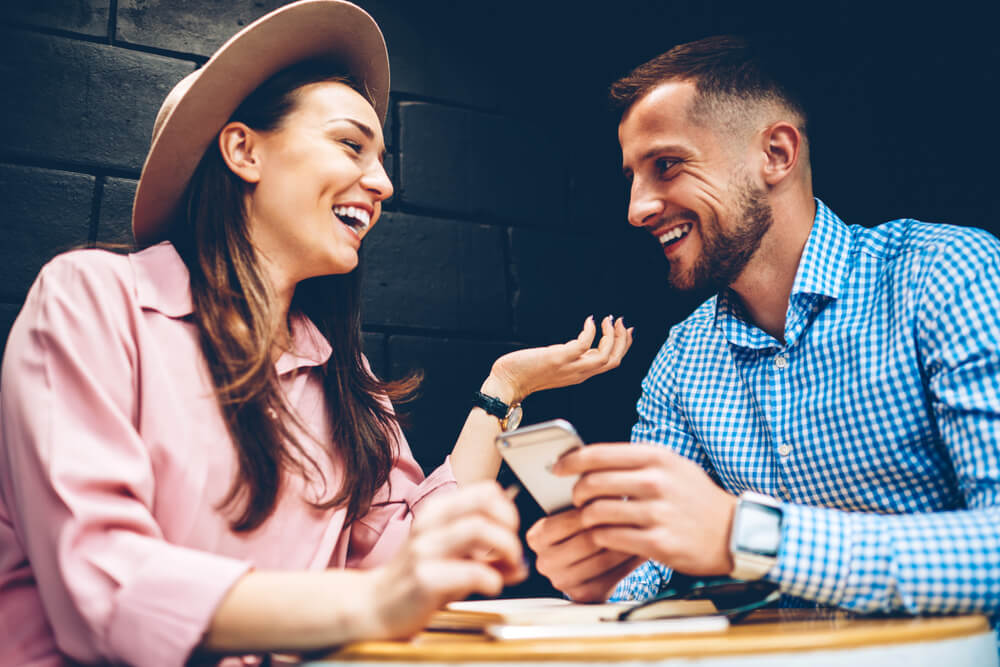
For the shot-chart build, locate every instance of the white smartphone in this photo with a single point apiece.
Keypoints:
(530, 452)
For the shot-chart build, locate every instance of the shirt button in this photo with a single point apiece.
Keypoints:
(780, 362)
(784, 450)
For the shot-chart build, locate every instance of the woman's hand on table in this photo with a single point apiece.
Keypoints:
(518, 374)
(460, 543)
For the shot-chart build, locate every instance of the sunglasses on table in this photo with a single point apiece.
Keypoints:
(733, 598)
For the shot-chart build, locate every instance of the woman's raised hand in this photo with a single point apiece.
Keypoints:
(524, 372)
(460, 543)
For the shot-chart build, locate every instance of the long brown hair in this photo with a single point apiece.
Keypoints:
(232, 309)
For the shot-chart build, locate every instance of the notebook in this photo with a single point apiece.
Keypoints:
(534, 618)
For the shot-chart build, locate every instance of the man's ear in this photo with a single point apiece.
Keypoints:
(240, 151)
(782, 144)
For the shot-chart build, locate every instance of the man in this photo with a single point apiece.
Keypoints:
(850, 375)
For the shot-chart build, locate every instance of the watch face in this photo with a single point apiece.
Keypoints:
(759, 529)
(513, 418)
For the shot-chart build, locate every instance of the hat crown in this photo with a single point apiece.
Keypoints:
(202, 102)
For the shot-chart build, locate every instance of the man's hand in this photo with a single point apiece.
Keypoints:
(573, 562)
(649, 501)
(643, 501)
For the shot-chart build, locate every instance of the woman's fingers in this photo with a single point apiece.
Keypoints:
(485, 497)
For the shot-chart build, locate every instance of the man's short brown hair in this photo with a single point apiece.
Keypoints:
(728, 72)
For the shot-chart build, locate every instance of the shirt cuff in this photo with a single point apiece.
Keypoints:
(814, 556)
(161, 616)
(441, 478)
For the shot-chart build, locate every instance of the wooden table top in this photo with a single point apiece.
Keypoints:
(767, 630)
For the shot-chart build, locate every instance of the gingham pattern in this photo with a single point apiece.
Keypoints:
(877, 423)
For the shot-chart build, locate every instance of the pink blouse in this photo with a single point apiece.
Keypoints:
(115, 457)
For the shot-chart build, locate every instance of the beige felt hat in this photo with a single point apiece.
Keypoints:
(198, 107)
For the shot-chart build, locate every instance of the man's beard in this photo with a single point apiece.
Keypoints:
(725, 255)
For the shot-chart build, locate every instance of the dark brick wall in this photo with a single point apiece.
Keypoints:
(507, 227)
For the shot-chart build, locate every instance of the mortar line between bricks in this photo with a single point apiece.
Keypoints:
(524, 117)
(481, 219)
(511, 283)
(53, 32)
(20, 160)
(425, 99)
(112, 21)
(95, 209)
(454, 335)
(104, 40)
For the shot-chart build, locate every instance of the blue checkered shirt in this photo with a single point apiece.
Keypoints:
(877, 422)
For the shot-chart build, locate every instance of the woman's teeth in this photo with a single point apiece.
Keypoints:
(675, 234)
(356, 219)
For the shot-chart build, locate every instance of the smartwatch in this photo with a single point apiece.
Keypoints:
(509, 415)
(755, 536)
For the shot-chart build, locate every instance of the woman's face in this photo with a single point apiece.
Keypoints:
(319, 183)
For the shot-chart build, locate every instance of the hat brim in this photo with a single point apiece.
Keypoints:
(305, 30)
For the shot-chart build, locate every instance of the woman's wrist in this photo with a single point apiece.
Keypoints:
(498, 387)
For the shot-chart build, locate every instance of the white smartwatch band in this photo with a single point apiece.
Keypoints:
(755, 536)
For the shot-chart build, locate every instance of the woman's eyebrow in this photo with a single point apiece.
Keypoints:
(365, 130)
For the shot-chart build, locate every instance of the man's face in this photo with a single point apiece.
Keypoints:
(691, 189)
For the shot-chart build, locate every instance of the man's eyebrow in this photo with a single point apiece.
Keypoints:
(673, 149)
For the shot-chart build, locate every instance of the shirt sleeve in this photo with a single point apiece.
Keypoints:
(660, 422)
(78, 478)
(936, 562)
(377, 536)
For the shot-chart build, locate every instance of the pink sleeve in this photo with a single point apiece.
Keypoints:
(377, 536)
(79, 479)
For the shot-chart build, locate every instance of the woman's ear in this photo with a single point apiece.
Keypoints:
(782, 150)
(240, 151)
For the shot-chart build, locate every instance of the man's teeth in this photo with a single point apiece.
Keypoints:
(675, 233)
(357, 219)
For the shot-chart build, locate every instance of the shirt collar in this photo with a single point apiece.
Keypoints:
(162, 281)
(163, 284)
(822, 270)
(824, 265)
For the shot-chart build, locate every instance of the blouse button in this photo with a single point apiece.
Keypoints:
(781, 362)
(784, 449)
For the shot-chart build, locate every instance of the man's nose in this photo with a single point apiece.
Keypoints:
(643, 208)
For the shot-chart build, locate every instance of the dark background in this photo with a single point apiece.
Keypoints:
(507, 228)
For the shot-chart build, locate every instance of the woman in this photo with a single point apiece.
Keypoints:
(196, 457)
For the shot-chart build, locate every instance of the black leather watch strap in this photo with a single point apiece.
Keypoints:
(491, 404)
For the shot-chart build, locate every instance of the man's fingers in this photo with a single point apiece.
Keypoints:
(611, 456)
(599, 588)
(553, 529)
(628, 539)
(636, 484)
(559, 556)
